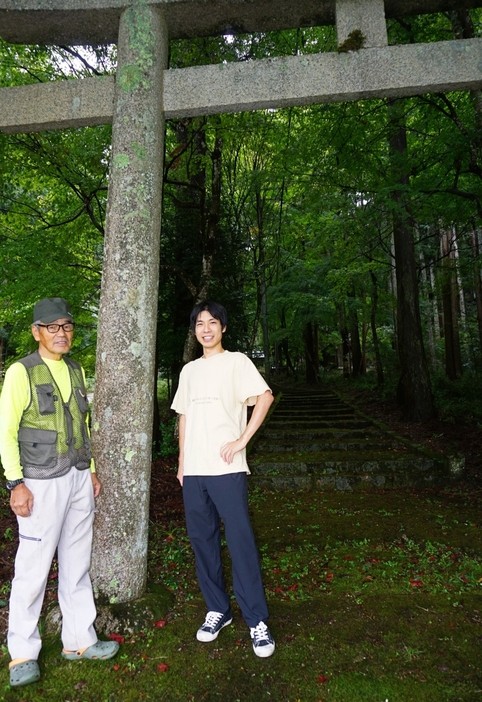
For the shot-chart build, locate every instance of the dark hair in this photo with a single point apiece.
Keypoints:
(214, 309)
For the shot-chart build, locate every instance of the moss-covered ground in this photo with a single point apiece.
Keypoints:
(373, 597)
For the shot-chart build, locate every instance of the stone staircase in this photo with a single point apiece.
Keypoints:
(313, 440)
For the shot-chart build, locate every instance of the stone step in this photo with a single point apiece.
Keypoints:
(344, 424)
(309, 446)
(314, 412)
(315, 441)
(347, 483)
(319, 434)
(308, 407)
(386, 464)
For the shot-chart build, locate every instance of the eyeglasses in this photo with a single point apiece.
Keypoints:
(54, 328)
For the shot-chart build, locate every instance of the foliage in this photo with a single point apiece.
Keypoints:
(303, 235)
(459, 400)
(169, 442)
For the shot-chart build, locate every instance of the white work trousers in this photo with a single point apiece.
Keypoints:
(62, 517)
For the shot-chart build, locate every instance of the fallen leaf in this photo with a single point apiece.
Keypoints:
(415, 582)
(322, 678)
(116, 667)
(117, 637)
(160, 623)
(162, 667)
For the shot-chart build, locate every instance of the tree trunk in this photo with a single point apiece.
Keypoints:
(356, 350)
(373, 323)
(208, 230)
(458, 280)
(477, 284)
(364, 337)
(311, 361)
(261, 283)
(453, 359)
(414, 389)
(344, 340)
(123, 400)
(284, 347)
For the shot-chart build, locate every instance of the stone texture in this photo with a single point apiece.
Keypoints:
(381, 460)
(368, 16)
(97, 21)
(57, 104)
(392, 71)
(123, 400)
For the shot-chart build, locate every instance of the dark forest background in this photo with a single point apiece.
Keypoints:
(344, 239)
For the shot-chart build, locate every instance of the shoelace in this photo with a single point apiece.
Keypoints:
(260, 632)
(212, 618)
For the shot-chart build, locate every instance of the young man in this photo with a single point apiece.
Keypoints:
(45, 451)
(212, 399)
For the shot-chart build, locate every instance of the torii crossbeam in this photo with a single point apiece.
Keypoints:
(137, 101)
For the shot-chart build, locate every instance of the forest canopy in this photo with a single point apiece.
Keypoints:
(340, 237)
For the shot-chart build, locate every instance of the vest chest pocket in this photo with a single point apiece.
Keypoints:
(46, 398)
(37, 447)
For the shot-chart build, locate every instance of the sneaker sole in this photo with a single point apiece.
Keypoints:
(264, 651)
(206, 637)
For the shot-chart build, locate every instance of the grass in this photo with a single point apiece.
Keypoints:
(373, 597)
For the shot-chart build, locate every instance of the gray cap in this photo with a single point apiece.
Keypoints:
(51, 308)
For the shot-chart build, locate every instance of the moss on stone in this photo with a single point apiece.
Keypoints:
(354, 42)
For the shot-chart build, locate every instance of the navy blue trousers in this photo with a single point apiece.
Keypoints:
(206, 499)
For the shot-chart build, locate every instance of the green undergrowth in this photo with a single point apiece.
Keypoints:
(373, 598)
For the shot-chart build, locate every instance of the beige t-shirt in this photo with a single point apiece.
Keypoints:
(214, 394)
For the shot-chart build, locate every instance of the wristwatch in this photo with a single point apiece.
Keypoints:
(13, 483)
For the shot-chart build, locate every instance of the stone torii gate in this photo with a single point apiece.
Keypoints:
(137, 101)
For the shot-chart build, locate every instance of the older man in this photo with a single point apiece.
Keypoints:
(45, 452)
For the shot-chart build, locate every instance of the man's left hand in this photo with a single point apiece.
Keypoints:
(231, 448)
(96, 484)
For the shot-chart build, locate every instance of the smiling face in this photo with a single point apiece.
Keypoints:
(53, 346)
(209, 333)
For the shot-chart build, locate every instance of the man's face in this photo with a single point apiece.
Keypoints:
(53, 345)
(208, 330)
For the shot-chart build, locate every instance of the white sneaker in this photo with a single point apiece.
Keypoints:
(263, 642)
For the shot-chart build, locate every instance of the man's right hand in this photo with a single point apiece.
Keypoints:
(180, 473)
(21, 501)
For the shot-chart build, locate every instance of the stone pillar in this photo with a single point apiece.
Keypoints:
(123, 400)
(368, 16)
